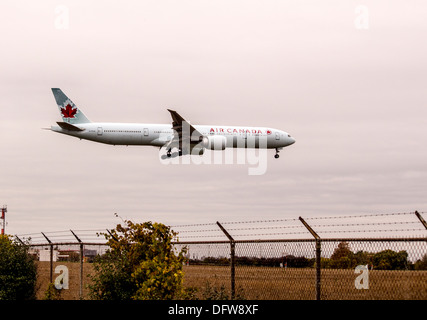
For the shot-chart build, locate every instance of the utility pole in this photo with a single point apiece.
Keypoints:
(3, 217)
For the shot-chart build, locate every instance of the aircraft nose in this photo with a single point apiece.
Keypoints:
(291, 140)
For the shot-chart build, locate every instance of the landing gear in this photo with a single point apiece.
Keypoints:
(276, 156)
(277, 153)
(174, 154)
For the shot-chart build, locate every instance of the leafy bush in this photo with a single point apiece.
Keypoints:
(140, 264)
(52, 293)
(18, 271)
(213, 293)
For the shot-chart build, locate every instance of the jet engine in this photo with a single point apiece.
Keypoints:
(214, 142)
(197, 150)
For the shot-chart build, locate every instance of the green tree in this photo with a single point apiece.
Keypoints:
(363, 258)
(390, 260)
(18, 271)
(343, 257)
(140, 264)
(421, 264)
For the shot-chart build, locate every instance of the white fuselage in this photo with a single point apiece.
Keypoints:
(159, 134)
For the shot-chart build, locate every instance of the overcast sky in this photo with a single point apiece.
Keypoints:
(348, 80)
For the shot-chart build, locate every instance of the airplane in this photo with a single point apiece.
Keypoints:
(180, 134)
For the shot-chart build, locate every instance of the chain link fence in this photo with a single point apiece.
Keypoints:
(228, 260)
(287, 269)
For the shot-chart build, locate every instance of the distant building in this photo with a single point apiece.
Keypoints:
(89, 255)
(44, 255)
(64, 255)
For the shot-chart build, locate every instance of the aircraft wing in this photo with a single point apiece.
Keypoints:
(184, 133)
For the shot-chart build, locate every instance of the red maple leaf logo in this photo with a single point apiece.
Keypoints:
(68, 111)
(268, 131)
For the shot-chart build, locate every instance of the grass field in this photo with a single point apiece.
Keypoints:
(267, 283)
(259, 283)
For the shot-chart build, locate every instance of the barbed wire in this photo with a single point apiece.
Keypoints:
(234, 222)
(250, 234)
(364, 224)
(300, 227)
(295, 219)
(259, 221)
(239, 229)
(360, 216)
(306, 232)
(193, 230)
(193, 225)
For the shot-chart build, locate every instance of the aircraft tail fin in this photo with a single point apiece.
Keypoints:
(70, 113)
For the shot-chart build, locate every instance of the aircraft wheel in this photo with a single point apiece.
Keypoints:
(276, 156)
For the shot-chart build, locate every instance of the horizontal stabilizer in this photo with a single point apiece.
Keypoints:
(69, 127)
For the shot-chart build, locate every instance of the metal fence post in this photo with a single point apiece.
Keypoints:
(318, 259)
(51, 257)
(81, 264)
(421, 219)
(318, 266)
(232, 260)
